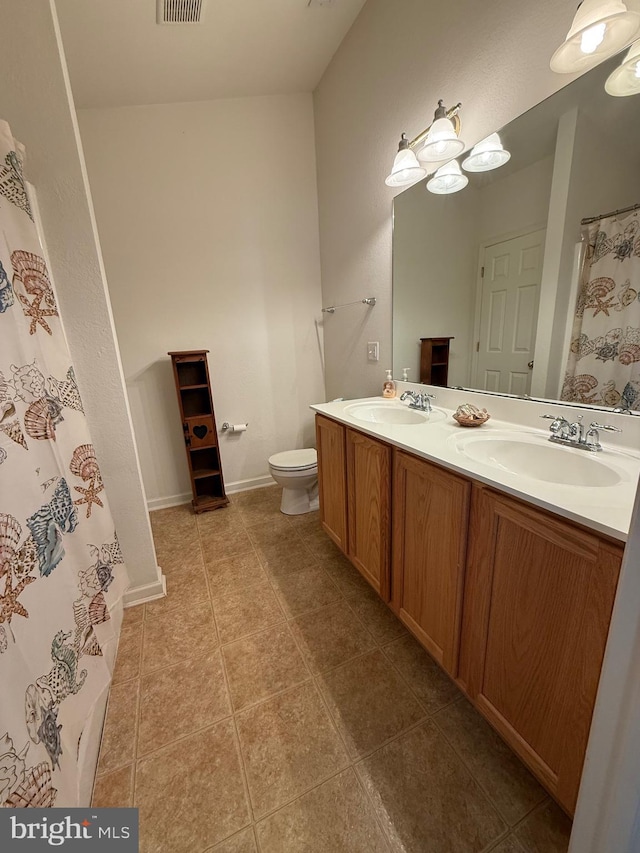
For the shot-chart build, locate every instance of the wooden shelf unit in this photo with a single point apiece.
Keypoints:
(191, 376)
(434, 360)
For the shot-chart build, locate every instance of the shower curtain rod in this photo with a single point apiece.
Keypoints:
(591, 219)
(370, 300)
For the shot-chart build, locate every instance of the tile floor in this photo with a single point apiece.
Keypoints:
(272, 703)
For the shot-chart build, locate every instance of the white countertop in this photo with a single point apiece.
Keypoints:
(606, 509)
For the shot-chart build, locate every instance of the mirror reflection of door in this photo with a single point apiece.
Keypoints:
(509, 292)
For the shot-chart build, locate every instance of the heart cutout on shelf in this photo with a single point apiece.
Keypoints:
(200, 431)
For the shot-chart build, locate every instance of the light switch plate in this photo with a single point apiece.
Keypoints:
(373, 350)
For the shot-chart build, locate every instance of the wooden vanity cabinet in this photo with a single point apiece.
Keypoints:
(430, 516)
(538, 601)
(369, 509)
(332, 480)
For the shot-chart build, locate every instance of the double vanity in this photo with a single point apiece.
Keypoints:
(499, 550)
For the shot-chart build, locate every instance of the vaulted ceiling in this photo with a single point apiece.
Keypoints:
(118, 55)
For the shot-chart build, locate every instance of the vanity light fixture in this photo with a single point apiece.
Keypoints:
(486, 155)
(448, 179)
(442, 141)
(600, 29)
(406, 168)
(625, 80)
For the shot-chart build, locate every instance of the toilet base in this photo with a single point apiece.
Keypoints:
(299, 501)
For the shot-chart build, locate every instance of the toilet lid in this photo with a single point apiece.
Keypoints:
(290, 460)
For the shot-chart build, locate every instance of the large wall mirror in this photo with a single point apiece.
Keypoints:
(497, 266)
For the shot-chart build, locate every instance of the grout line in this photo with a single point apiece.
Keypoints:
(243, 768)
(370, 800)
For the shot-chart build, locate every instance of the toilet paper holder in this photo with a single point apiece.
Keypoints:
(227, 427)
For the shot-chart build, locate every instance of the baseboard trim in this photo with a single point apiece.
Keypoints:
(147, 592)
(231, 489)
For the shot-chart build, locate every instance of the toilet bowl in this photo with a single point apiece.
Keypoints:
(297, 472)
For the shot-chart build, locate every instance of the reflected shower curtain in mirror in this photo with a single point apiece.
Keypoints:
(62, 575)
(603, 367)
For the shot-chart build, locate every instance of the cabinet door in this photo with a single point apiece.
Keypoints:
(430, 513)
(538, 602)
(332, 481)
(369, 508)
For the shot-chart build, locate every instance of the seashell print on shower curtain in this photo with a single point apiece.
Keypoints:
(62, 574)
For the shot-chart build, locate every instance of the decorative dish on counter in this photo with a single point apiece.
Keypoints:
(469, 415)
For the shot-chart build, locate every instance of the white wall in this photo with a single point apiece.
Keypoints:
(519, 202)
(386, 77)
(209, 227)
(35, 99)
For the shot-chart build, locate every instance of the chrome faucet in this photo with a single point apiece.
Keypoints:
(418, 401)
(575, 435)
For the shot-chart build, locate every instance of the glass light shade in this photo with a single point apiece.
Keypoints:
(486, 155)
(600, 29)
(625, 80)
(448, 179)
(406, 169)
(442, 142)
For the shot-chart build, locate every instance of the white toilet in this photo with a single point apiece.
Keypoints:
(297, 472)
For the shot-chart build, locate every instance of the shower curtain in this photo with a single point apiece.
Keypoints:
(603, 367)
(62, 575)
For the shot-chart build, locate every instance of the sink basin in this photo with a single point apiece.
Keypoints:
(533, 456)
(391, 413)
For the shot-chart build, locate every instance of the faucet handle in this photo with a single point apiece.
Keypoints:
(606, 427)
(554, 418)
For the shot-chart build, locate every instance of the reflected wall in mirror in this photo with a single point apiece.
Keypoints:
(496, 267)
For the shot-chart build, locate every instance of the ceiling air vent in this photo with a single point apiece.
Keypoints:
(180, 11)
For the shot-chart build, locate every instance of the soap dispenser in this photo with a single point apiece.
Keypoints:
(405, 374)
(389, 387)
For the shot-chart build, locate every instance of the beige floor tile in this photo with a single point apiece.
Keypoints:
(507, 782)
(179, 555)
(432, 687)
(369, 702)
(330, 636)
(183, 588)
(225, 518)
(177, 635)
(290, 555)
(180, 700)
(289, 745)
(272, 531)
(376, 616)
(207, 801)
(425, 797)
(260, 513)
(243, 842)
(321, 545)
(267, 494)
(336, 816)
(217, 545)
(133, 615)
(229, 575)
(263, 664)
(246, 611)
(509, 845)
(129, 653)
(547, 830)
(119, 735)
(309, 589)
(114, 790)
(345, 575)
(175, 518)
(306, 523)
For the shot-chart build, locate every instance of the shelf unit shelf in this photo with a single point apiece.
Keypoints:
(434, 360)
(191, 376)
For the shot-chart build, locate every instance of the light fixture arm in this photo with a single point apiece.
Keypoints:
(441, 112)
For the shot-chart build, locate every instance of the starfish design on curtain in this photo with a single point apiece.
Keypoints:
(9, 603)
(37, 314)
(90, 496)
